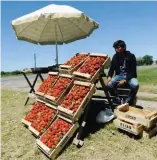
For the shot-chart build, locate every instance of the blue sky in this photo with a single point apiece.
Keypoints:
(133, 22)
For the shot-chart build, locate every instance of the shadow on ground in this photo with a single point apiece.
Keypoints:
(92, 126)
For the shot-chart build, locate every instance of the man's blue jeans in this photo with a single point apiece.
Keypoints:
(132, 83)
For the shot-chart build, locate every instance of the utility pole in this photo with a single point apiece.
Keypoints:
(35, 61)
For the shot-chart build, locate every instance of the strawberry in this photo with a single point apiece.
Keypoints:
(55, 133)
(92, 65)
(76, 60)
(75, 97)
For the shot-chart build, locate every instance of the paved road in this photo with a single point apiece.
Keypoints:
(19, 83)
(147, 95)
(150, 105)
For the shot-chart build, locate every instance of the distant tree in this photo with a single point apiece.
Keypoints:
(139, 61)
(3, 73)
(147, 60)
(15, 72)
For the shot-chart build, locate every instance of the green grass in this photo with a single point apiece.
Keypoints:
(147, 76)
(105, 144)
(148, 79)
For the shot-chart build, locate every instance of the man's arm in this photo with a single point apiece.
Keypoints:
(133, 68)
(111, 69)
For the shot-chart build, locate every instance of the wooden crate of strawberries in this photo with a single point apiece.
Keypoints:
(91, 68)
(56, 93)
(46, 84)
(57, 136)
(76, 100)
(43, 119)
(73, 64)
(31, 115)
(135, 115)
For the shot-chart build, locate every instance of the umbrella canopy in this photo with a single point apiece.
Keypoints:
(53, 24)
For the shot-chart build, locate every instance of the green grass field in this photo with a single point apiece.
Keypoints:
(147, 77)
(105, 144)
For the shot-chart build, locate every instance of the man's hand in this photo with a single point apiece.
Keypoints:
(121, 83)
(108, 80)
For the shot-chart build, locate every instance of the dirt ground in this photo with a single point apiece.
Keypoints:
(102, 142)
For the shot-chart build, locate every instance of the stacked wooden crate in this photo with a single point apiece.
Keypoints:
(73, 64)
(46, 84)
(76, 100)
(40, 116)
(136, 121)
(46, 116)
(90, 70)
(56, 136)
(65, 96)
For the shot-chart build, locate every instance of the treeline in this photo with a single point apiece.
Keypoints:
(10, 73)
(145, 60)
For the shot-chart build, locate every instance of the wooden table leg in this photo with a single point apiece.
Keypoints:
(31, 86)
(41, 77)
(105, 91)
(78, 140)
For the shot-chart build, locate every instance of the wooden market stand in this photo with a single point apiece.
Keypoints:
(81, 117)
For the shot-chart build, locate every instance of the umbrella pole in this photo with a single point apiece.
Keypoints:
(57, 54)
(56, 47)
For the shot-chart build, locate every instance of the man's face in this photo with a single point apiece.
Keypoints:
(119, 49)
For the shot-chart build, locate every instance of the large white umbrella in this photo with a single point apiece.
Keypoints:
(53, 24)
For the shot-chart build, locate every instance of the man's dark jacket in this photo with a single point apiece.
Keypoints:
(130, 65)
